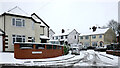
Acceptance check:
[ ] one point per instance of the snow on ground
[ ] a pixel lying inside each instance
(102, 59)
(6, 58)
(86, 58)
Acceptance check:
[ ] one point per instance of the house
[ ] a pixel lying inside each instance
(66, 37)
(100, 37)
(41, 29)
(18, 26)
(51, 33)
(1, 40)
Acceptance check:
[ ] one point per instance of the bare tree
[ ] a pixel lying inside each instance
(119, 32)
(114, 25)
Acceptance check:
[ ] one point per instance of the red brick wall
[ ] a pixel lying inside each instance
(27, 53)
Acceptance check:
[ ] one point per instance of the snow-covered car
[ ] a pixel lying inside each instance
(75, 50)
(84, 47)
(76, 45)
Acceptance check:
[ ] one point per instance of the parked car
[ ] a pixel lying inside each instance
(75, 50)
(80, 46)
(84, 47)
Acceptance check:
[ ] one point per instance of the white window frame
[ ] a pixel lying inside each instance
(86, 37)
(23, 38)
(100, 36)
(93, 36)
(21, 20)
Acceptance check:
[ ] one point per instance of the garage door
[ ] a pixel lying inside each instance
(1, 44)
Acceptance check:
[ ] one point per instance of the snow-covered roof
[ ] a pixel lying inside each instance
(17, 11)
(65, 33)
(42, 24)
(44, 37)
(98, 31)
(37, 20)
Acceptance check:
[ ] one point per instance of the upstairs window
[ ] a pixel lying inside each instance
(75, 36)
(81, 37)
(18, 22)
(61, 37)
(13, 21)
(100, 36)
(86, 37)
(94, 36)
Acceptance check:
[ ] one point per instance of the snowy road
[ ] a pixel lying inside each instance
(86, 58)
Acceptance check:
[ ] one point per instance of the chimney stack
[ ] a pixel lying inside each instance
(94, 28)
(63, 30)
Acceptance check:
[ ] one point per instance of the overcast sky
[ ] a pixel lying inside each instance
(68, 14)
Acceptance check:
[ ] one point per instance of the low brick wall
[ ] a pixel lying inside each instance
(28, 53)
(113, 52)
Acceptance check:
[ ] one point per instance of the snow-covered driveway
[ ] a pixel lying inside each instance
(86, 58)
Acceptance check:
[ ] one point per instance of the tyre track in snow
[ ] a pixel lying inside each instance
(72, 60)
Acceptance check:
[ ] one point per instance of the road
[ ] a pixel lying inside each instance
(86, 58)
(89, 58)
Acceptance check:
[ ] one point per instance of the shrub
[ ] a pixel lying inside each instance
(66, 50)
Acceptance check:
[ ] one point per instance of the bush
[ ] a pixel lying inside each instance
(66, 50)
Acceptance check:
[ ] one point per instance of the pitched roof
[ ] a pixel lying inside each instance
(98, 31)
(52, 31)
(39, 19)
(65, 33)
(18, 11)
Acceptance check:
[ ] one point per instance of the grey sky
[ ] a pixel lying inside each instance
(69, 14)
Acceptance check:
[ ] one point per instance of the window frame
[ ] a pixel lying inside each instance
(93, 36)
(86, 37)
(100, 36)
(75, 37)
(62, 37)
(81, 37)
(56, 37)
(18, 36)
(21, 21)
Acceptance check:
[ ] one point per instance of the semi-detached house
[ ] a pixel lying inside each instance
(17, 26)
(100, 37)
(67, 37)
